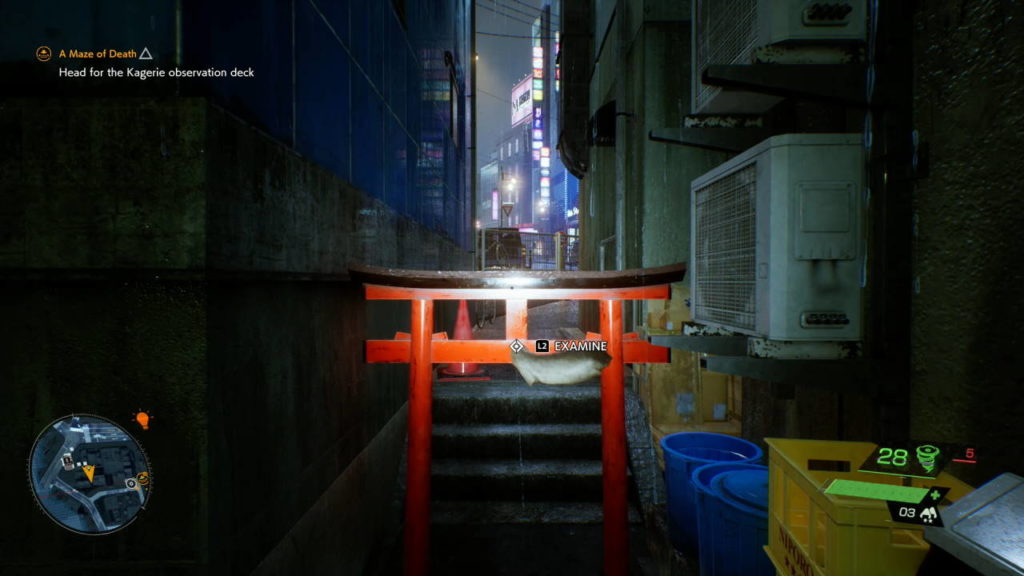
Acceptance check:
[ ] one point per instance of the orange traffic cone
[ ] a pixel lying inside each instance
(463, 331)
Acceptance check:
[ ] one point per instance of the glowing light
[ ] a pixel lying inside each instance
(538, 52)
(520, 282)
(545, 162)
(545, 152)
(143, 419)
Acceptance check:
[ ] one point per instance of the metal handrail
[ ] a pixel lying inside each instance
(509, 248)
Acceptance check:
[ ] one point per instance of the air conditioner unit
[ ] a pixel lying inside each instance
(744, 31)
(776, 240)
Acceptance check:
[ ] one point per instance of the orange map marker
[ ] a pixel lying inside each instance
(89, 471)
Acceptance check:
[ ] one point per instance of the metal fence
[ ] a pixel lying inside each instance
(508, 248)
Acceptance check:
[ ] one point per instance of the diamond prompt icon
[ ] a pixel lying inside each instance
(516, 346)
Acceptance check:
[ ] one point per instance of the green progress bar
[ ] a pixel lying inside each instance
(875, 491)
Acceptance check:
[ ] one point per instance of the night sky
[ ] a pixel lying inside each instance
(503, 62)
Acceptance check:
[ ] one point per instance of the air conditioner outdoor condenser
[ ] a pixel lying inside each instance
(738, 32)
(776, 240)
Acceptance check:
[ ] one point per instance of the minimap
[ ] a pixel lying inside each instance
(89, 475)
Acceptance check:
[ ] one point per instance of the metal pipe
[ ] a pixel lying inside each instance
(559, 258)
(417, 497)
(474, 180)
(613, 445)
(483, 248)
(621, 166)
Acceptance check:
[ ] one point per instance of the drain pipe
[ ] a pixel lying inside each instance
(622, 28)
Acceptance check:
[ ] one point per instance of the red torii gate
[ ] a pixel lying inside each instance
(422, 348)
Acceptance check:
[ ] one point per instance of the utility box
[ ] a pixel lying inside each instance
(777, 240)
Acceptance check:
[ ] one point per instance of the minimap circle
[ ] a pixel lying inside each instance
(89, 475)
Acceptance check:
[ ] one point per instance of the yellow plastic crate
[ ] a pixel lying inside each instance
(811, 533)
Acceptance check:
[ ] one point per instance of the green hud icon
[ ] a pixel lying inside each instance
(926, 455)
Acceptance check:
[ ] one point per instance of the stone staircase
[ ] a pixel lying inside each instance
(505, 452)
(516, 478)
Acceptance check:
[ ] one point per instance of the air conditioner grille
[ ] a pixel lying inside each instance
(725, 250)
(727, 34)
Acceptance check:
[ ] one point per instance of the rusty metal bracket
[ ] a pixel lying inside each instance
(719, 139)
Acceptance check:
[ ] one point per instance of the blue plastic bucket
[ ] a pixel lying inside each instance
(732, 508)
(685, 452)
(708, 511)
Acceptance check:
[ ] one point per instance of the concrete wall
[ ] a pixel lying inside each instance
(652, 92)
(968, 373)
(655, 175)
(107, 347)
(667, 169)
(164, 255)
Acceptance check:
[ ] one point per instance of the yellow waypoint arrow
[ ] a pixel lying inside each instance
(89, 471)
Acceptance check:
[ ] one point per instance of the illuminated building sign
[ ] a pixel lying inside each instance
(545, 152)
(521, 101)
(494, 204)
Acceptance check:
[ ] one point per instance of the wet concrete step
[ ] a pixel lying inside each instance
(524, 550)
(517, 481)
(515, 403)
(515, 441)
(484, 513)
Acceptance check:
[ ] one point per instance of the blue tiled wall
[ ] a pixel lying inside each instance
(360, 93)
